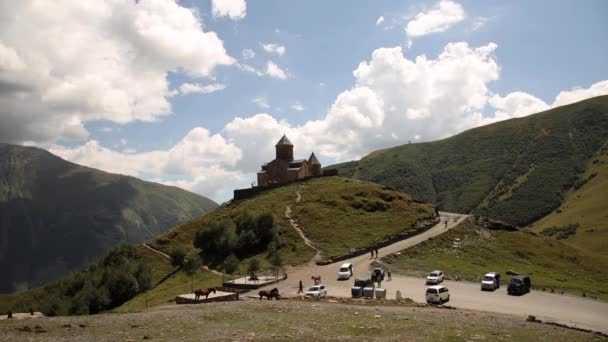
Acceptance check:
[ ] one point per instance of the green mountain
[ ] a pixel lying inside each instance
(56, 216)
(516, 171)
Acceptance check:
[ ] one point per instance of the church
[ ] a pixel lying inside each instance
(284, 168)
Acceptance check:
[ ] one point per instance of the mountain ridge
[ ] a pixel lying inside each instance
(59, 216)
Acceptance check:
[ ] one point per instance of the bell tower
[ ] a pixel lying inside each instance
(284, 149)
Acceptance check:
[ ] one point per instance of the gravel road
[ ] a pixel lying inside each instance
(566, 309)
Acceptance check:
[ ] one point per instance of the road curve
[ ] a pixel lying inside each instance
(566, 309)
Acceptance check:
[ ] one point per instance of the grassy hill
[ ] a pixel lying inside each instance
(551, 264)
(516, 170)
(56, 216)
(337, 214)
(582, 219)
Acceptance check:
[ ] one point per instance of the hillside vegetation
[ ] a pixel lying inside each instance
(516, 171)
(56, 216)
(551, 264)
(582, 219)
(337, 215)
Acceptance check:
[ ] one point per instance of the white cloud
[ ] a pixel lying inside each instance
(274, 48)
(478, 23)
(275, 71)
(50, 87)
(441, 17)
(233, 9)
(518, 104)
(380, 20)
(248, 53)
(261, 101)
(199, 161)
(297, 107)
(189, 88)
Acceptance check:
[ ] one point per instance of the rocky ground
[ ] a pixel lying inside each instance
(290, 320)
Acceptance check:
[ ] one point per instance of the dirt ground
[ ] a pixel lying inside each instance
(289, 320)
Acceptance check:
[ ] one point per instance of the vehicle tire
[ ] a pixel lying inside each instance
(447, 299)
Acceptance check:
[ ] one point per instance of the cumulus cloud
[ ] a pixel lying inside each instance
(199, 160)
(518, 104)
(441, 17)
(189, 88)
(274, 48)
(380, 20)
(275, 71)
(233, 9)
(49, 87)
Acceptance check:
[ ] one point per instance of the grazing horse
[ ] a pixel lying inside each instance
(203, 292)
(316, 279)
(274, 293)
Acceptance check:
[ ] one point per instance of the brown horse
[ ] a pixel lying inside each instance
(203, 292)
(316, 279)
(274, 293)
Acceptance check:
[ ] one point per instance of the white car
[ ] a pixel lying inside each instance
(434, 277)
(437, 294)
(345, 271)
(490, 281)
(316, 291)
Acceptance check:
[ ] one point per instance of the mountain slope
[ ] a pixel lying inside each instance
(56, 216)
(516, 170)
(584, 210)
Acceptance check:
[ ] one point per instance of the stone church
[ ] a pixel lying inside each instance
(284, 168)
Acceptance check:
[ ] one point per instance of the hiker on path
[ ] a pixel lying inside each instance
(390, 277)
(372, 251)
(446, 223)
(301, 288)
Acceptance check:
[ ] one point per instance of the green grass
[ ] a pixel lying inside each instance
(516, 171)
(550, 263)
(340, 214)
(173, 284)
(337, 214)
(586, 207)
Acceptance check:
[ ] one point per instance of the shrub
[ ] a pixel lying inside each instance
(177, 253)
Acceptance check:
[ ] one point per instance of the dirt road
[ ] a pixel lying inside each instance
(576, 311)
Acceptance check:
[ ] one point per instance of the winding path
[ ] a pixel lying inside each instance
(294, 224)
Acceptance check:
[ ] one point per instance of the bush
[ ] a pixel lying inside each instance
(177, 253)
(231, 264)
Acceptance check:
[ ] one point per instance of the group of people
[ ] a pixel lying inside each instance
(374, 250)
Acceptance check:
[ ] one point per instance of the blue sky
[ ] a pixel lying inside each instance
(501, 60)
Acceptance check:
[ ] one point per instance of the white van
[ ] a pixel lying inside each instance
(490, 281)
(345, 271)
(437, 294)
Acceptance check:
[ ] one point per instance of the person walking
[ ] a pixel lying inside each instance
(390, 277)
(372, 251)
(446, 223)
(301, 288)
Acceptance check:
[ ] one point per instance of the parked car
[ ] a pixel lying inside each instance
(519, 285)
(437, 294)
(316, 291)
(490, 281)
(345, 271)
(434, 277)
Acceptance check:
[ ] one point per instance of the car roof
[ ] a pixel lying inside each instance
(520, 277)
(436, 287)
(346, 264)
(492, 273)
(438, 271)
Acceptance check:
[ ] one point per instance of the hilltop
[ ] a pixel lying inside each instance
(516, 171)
(57, 216)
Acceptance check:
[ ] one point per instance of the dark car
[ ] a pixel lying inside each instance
(519, 285)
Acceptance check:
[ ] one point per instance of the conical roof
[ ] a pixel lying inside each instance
(313, 160)
(284, 141)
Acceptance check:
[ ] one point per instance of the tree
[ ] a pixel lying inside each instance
(231, 264)
(178, 254)
(191, 266)
(254, 266)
